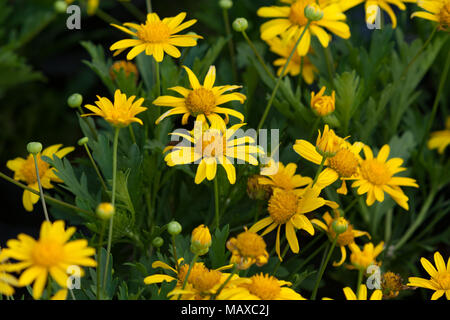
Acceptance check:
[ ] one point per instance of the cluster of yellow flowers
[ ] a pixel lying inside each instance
(291, 197)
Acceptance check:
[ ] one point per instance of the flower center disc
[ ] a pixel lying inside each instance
(200, 100)
(29, 170)
(47, 253)
(266, 287)
(282, 206)
(443, 280)
(250, 244)
(375, 172)
(154, 32)
(297, 13)
(344, 162)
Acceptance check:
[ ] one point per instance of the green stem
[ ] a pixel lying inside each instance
(309, 258)
(113, 200)
(96, 168)
(279, 261)
(258, 56)
(40, 188)
(280, 77)
(133, 137)
(319, 170)
(133, 10)
(106, 17)
(388, 226)
(418, 221)
(364, 211)
(230, 43)
(175, 256)
(322, 268)
(148, 4)
(326, 53)
(360, 278)
(442, 81)
(48, 198)
(233, 272)
(216, 201)
(158, 84)
(99, 257)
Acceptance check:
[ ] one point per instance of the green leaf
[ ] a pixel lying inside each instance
(217, 251)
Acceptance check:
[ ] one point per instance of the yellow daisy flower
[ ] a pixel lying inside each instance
(203, 101)
(246, 249)
(362, 294)
(440, 139)
(283, 48)
(25, 170)
(344, 239)
(279, 176)
(362, 259)
(291, 20)
(321, 104)
(262, 287)
(210, 147)
(439, 277)
(371, 15)
(51, 254)
(342, 164)
(376, 176)
(287, 208)
(7, 281)
(119, 113)
(201, 283)
(156, 36)
(435, 10)
(127, 67)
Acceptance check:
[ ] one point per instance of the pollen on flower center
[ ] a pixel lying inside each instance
(297, 13)
(443, 280)
(375, 172)
(200, 100)
(250, 244)
(344, 162)
(206, 280)
(29, 170)
(282, 206)
(264, 286)
(47, 253)
(154, 32)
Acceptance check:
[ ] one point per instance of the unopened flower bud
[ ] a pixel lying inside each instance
(83, 141)
(225, 4)
(60, 6)
(313, 12)
(34, 147)
(200, 240)
(340, 225)
(174, 228)
(75, 100)
(157, 242)
(240, 24)
(105, 210)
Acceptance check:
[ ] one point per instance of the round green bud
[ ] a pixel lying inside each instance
(240, 24)
(313, 12)
(83, 141)
(34, 147)
(105, 210)
(157, 242)
(60, 6)
(339, 225)
(75, 100)
(174, 228)
(225, 4)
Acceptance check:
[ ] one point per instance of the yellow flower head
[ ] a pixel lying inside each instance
(287, 208)
(25, 170)
(203, 101)
(264, 287)
(246, 249)
(344, 239)
(376, 176)
(362, 294)
(52, 254)
(283, 47)
(440, 139)
(283, 177)
(119, 113)
(156, 36)
(127, 67)
(291, 20)
(362, 259)
(200, 240)
(391, 285)
(328, 143)
(322, 104)
(435, 10)
(7, 281)
(439, 277)
(211, 146)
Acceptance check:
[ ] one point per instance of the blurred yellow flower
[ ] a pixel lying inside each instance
(362, 259)
(25, 170)
(322, 104)
(247, 248)
(156, 36)
(7, 281)
(439, 277)
(435, 10)
(52, 254)
(440, 139)
(119, 113)
(200, 240)
(362, 294)
(376, 176)
(127, 67)
(202, 102)
(291, 21)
